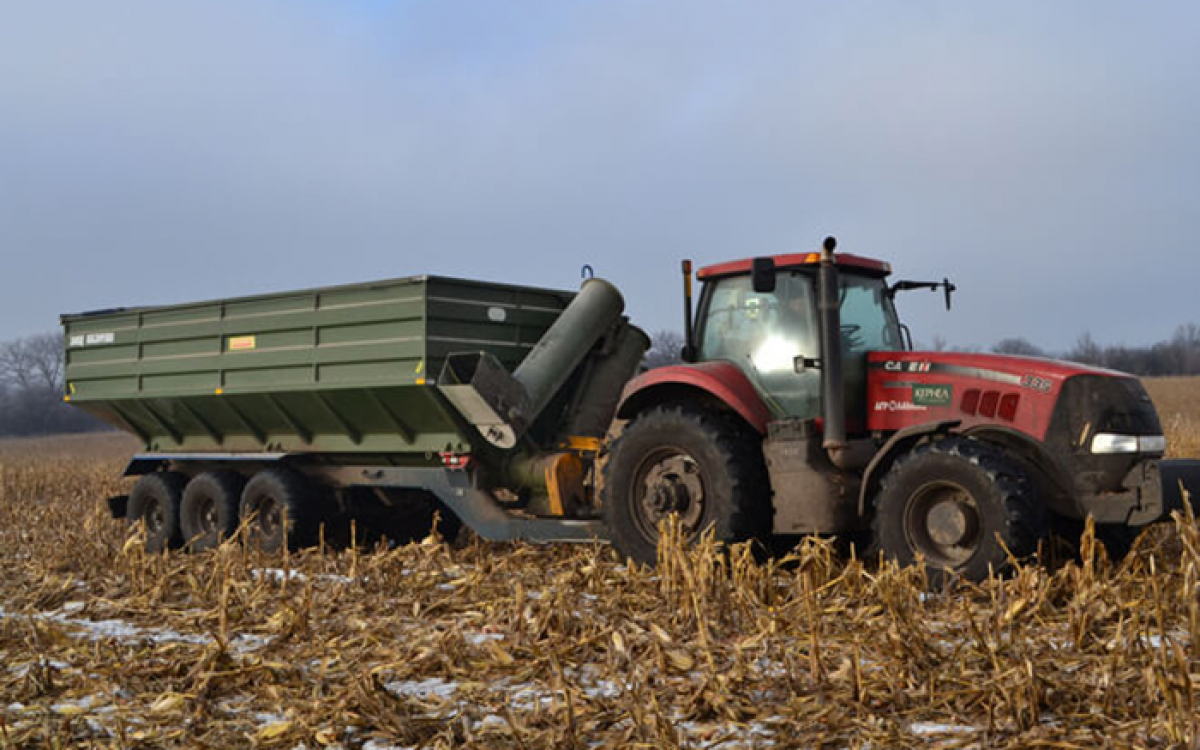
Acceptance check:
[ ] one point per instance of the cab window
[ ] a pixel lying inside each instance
(869, 321)
(763, 333)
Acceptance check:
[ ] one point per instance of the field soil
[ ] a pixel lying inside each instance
(516, 646)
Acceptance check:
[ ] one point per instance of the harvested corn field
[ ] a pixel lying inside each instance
(515, 646)
(1178, 403)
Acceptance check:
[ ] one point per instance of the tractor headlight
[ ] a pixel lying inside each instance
(1107, 442)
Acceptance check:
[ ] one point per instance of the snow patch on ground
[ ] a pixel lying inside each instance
(432, 687)
(1156, 640)
(279, 575)
(755, 734)
(121, 630)
(933, 727)
(381, 745)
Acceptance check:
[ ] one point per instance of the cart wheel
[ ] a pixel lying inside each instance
(284, 509)
(155, 501)
(209, 513)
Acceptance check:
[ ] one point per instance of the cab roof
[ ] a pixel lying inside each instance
(797, 260)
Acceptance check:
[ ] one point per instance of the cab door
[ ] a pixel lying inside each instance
(869, 324)
(766, 334)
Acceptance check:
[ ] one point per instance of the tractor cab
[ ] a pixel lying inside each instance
(767, 323)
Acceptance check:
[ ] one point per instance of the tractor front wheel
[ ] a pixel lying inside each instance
(960, 505)
(700, 466)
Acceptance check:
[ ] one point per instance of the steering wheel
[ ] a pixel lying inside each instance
(850, 338)
(766, 310)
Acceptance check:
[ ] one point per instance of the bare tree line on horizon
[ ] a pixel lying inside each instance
(31, 390)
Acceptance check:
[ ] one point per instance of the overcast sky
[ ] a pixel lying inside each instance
(1045, 156)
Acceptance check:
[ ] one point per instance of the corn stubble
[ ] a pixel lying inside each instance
(514, 646)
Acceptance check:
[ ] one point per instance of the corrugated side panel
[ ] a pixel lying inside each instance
(341, 369)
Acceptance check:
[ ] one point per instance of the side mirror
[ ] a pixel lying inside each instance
(762, 275)
(949, 290)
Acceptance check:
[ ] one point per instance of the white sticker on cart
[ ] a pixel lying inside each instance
(92, 339)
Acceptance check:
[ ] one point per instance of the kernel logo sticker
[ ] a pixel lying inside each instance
(933, 395)
(242, 343)
(92, 339)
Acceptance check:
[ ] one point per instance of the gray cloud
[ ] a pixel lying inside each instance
(1042, 155)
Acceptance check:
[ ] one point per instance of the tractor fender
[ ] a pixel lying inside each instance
(720, 384)
(886, 456)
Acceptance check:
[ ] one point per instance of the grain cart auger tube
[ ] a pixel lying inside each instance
(300, 412)
(802, 409)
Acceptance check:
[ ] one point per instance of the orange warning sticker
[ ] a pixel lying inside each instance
(242, 343)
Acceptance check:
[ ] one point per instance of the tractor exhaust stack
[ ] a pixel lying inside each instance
(832, 395)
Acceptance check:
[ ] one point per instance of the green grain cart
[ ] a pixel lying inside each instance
(393, 402)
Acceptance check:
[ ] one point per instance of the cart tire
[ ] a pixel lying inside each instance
(283, 508)
(155, 500)
(209, 513)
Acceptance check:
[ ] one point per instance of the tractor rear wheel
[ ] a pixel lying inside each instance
(701, 466)
(284, 509)
(960, 505)
(209, 513)
(155, 501)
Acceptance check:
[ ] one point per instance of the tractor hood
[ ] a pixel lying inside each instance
(1019, 393)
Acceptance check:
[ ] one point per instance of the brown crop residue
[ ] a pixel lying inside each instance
(515, 646)
(1178, 403)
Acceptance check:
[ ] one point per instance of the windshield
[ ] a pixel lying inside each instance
(869, 321)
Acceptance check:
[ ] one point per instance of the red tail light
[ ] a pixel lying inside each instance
(457, 460)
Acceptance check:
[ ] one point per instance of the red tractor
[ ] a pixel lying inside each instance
(802, 409)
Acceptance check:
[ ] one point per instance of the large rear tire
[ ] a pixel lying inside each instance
(702, 466)
(284, 508)
(962, 506)
(209, 513)
(155, 501)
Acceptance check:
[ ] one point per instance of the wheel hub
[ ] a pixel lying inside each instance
(270, 517)
(155, 518)
(670, 483)
(942, 522)
(670, 496)
(950, 523)
(208, 514)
